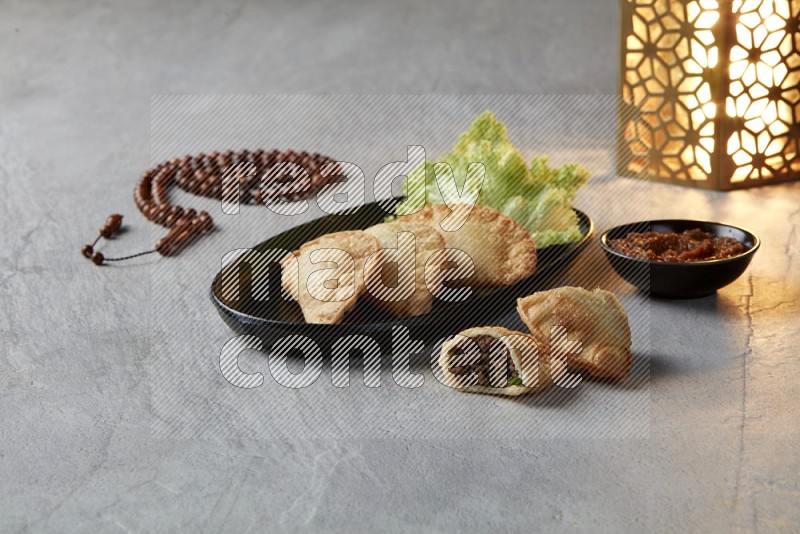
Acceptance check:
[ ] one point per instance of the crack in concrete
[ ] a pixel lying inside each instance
(774, 306)
(307, 502)
(785, 487)
(794, 238)
(748, 349)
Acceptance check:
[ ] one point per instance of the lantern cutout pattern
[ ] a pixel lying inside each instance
(710, 92)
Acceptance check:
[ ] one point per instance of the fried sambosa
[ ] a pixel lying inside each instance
(595, 318)
(331, 275)
(494, 360)
(502, 250)
(400, 287)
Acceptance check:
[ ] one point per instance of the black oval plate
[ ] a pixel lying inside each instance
(272, 316)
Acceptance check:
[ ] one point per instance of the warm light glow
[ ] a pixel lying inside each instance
(673, 75)
(758, 81)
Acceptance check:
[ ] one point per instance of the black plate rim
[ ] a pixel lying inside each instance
(410, 321)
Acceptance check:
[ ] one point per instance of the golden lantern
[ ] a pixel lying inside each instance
(710, 92)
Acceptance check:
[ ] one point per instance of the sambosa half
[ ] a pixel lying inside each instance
(494, 360)
(502, 250)
(595, 318)
(331, 274)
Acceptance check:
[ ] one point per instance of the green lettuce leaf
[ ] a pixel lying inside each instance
(537, 196)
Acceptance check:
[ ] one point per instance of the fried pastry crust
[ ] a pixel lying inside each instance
(502, 250)
(330, 283)
(426, 242)
(595, 318)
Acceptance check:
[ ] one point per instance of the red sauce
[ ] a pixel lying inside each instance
(688, 246)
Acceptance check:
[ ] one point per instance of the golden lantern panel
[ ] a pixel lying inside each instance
(710, 91)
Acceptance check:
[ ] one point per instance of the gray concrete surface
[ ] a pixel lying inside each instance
(78, 451)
